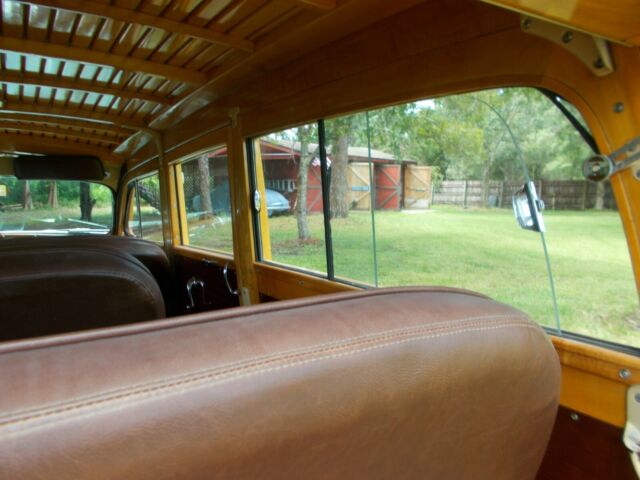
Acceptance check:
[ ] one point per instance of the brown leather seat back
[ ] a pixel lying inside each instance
(56, 290)
(386, 384)
(148, 253)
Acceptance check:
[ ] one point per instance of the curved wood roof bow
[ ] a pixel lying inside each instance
(93, 72)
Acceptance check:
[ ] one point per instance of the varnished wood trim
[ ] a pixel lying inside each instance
(243, 247)
(59, 132)
(65, 122)
(283, 283)
(75, 113)
(319, 4)
(596, 360)
(141, 18)
(49, 145)
(182, 236)
(591, 380)
(265, 235)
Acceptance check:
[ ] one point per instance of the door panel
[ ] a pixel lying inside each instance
(582, 447)
(214, 296)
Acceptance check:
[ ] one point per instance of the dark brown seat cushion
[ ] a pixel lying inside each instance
(46, 291)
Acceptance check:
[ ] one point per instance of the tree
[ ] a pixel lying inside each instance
(53, 194)
(340, 192)
(27, 200)
(302, 181)
(204, 185)
(86, 202)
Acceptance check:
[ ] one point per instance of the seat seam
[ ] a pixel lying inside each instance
(284, 355)
(209, 379)
(233, 314)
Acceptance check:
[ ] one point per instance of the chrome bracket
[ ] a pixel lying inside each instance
(592, 51)
(192, 282)
(225, 274)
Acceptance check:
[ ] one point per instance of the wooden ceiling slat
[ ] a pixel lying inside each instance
(235, 14)
(101, 58)
(141, 18)
(206, 11)
(266, 14)
(320, 4)
(66, 122)
(27, 127)
(68, 84)
(10, 141)
(75, 113)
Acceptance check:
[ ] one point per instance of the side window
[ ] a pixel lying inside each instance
(203, 186)
(291, 198)
(144, 219)
(421, 194)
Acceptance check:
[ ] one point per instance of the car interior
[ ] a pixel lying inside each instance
(207, 267)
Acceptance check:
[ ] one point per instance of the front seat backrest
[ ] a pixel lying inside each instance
(55, 290)
(407, 383)
(148, 253)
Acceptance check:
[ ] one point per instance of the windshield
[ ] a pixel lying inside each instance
(50, 207)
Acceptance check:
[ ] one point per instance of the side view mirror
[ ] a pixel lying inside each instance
(527, 208)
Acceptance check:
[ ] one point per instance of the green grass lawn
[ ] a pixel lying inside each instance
(485, 250)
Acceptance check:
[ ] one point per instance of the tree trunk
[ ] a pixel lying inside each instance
(302, 183)
(150, 195)
(339, 197)
(204, 185)
(27, 200)
(599, 196)
(53, 194)
(86, 202)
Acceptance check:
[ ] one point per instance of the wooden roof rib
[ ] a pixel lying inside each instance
(96, 72)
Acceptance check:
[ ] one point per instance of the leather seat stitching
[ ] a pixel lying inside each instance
(223, 377)
(282, 356)
(232, 314)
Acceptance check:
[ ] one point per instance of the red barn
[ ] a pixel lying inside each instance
(281, 159)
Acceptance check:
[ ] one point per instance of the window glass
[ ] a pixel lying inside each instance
(351, 197)
(421, 194)
(207, 201)
(145, 219)
(54, 207)
(292, 186)
(455, 226)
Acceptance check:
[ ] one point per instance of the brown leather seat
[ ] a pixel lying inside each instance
(151, 255)
(386, 384)
(45, 291)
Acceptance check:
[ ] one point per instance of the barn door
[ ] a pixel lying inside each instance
(388, 188)
(360, 185)
(417, 187)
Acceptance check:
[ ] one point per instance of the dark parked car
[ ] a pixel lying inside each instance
(276, 202)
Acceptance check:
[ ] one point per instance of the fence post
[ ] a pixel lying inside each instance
(431, 197)
(500, 193)
(584, 195)
(464, 201)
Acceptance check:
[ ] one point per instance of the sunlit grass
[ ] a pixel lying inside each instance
(485, 251)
